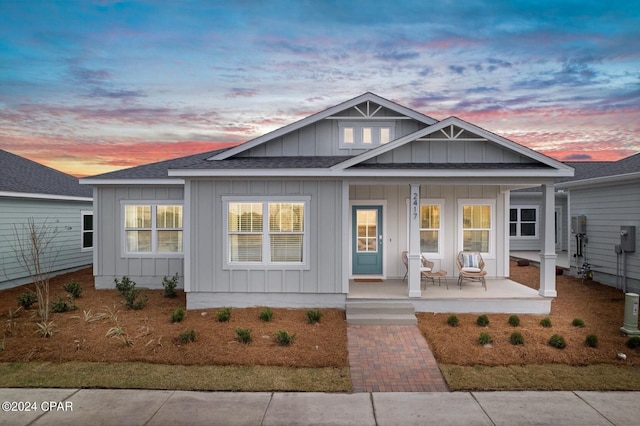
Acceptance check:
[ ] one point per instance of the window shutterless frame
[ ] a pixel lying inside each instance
(152, 236)
(272, 243)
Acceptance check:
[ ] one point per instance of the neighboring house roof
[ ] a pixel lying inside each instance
(25, 178)
(624, 169)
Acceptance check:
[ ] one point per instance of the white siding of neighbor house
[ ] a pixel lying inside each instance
(535, 199)
(145, 271)
(208, 237)
(396, 232)
(607, 208)
(62, 216)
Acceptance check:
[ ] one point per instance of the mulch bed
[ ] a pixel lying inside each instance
(156, 339)
(600, 307)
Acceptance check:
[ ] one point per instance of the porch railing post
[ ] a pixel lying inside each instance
(414, 255)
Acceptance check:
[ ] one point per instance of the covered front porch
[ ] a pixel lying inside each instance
(501, 296)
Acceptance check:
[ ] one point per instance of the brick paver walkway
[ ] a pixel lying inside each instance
(392, 358)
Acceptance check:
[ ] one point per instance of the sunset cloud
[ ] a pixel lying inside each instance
(90, 87)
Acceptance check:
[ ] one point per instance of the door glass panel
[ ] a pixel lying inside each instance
(367, 223)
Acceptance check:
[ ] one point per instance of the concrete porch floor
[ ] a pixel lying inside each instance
(501, 296)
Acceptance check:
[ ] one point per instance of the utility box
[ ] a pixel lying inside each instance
(628, 238)
(579, 224)
(630, 327)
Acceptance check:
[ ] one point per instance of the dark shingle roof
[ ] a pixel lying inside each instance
(18, 174)
(160, 169)
(624, 166)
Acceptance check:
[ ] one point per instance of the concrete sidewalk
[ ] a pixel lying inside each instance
(142, 407)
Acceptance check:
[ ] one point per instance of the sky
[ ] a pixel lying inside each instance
(88, 87)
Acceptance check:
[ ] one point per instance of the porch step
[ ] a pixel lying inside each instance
(378, 313)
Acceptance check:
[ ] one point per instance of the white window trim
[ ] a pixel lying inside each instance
(358, 130)
(519, 222)
(492, 230)
(154, 229)
(266, 263)
(84, 213)
(431, 202)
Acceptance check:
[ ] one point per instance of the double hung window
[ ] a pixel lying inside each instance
(152, 228)
(477, 219)
(523, 222)
(266, 232)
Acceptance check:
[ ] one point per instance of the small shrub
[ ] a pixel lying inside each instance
(177, 315)
(516, 339)
(591, 341)
(313, 316)
(633, 342)
(244, 335)
(266, 314)
(284, 338)
(73, 288)
(169, 285)
(545, 322)
(482, 321)
(557, 341)
(124, 285)
(134, 301)
(187, 336)
(577, 322)
(131, 294)
(453, 321)
(27, 299)
(61, 305)
(514, 320)
(484, 339)
(223, 314)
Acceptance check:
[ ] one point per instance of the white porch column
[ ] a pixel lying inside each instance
(548, 249)
(414, 242)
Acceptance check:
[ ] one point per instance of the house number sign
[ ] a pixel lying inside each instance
(414, 202)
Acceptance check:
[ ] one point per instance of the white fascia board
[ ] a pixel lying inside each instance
(321, 116)
(471, 173)
(90, 181)
(599, 180)
(44, 196)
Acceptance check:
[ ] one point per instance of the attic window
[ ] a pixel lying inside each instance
(365, 134)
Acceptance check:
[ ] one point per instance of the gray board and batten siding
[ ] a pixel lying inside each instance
(319, 281)
(110, 260)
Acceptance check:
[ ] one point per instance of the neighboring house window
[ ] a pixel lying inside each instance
(430, 227)
(523, 222)
(266, 232)
(86, 230)
(153, 228)
(477, 225)
(365, 134)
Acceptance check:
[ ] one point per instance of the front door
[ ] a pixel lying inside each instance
(367, 240)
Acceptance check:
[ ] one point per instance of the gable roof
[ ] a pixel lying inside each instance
(324, 114)
(22, 177)
(455, 121)
(235, 161)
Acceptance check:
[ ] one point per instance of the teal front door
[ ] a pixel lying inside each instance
(367, 240)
